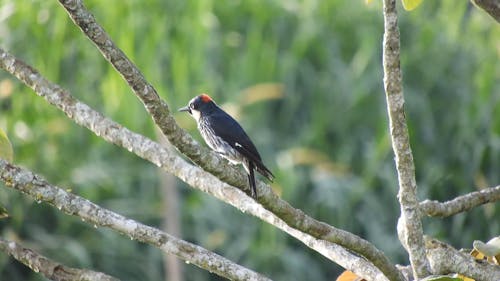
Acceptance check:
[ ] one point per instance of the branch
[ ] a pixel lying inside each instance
(50, 269)
(208, 160)
(409, 226)
(444, 259)
(492, 7)
(460, 204)
(145, 148)
(155, 106)
(71, 204)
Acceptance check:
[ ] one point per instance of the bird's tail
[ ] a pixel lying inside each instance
(263, 170)
(251, 179)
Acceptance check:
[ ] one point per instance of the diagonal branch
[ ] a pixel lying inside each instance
(492, 7)
(145, 148)
(50, 269)
(71, 204)
(445, 259)
(460, 204)
(209, 161)
(409, 225)
(156, 107)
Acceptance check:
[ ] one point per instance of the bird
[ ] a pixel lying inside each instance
(225, 136)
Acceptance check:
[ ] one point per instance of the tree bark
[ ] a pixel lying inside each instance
(40, 190)
(409, 225)
(50, 269)
(492, 7)
(460, 204)
(145, 148)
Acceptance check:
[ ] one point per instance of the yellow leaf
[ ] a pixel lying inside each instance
(6, 151)
(349, 276)
(477, 255)
(464, 278)
(262, 92)
(410, 5)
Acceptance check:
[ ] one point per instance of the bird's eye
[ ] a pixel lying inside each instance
(192, 106)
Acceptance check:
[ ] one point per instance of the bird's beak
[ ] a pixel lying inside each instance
(185, 108)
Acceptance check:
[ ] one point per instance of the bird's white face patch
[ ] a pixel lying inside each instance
(237, 144)
(196, 114)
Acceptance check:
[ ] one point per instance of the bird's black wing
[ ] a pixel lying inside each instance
(230, 131)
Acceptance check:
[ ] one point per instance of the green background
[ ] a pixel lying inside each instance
(305, 80)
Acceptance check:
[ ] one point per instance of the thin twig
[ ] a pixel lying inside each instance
(460, 204)
(39, 189)
(208, 160)
(49, 268)
(409, 226)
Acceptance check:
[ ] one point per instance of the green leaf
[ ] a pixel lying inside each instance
(410, 5)
(6, 151)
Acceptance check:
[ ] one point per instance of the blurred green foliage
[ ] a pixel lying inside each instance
(304, 78)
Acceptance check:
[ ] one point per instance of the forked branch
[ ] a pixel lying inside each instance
(39, 189)
(409, 225)
(209, 161)
(149, 150)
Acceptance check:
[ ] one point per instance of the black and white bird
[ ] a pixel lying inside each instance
(225, 136)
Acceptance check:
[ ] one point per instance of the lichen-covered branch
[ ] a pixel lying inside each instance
(145, 148)
(492, 7)
(445, 259)
(40, 190)
(460, 204)
(50, 269)
(151, 151)
(409, 225)
(209, 161)
(156, 107)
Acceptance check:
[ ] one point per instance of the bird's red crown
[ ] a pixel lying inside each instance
(205, 98)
